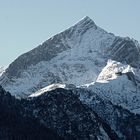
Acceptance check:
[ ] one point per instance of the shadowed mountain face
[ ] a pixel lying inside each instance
(126, 50)
(15, 124)
(50, 48)
(65, 114)
(75, 56)
(56, 115)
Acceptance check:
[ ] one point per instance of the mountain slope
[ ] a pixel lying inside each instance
(63, 58)
(69, 113)
(61, 110)
(122, 121)
(57, 114)
(119, 83)
(15, 124)
(75, 56)
(84, 76)
(118, 123)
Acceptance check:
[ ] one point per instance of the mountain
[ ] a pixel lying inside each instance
(62, 110)
(83, 83)
(65, 114)
(15, 124)
(75, 56)
(58, 114)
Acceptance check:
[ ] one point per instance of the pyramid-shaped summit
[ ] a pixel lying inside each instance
(86, 22)
(85, 19)
(74, 56)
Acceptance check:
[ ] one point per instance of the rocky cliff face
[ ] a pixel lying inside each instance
(126, 50)
(50, 48)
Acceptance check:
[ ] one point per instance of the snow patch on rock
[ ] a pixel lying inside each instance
(46, 89)
(119, 84)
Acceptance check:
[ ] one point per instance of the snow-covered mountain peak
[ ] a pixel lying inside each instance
(75, 56)
(86, 18)
(86, 22)
(113, 69)
(120, 84)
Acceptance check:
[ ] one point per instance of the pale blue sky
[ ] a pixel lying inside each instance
(24, 24)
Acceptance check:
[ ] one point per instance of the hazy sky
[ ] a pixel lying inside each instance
(24, 24)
